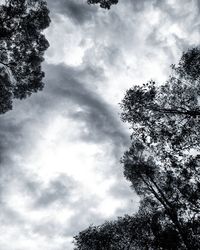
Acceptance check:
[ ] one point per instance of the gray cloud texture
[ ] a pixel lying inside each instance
(76, 10)
(132, 43)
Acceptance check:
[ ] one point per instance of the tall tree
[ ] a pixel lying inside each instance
(22, 47)
(163, 165)
(106, 4)
(163, 161)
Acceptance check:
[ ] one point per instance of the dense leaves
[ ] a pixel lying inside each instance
(166, 118)
(175, 186)
(189, 65)
(162, 163)
(106, 4)
(128, 232)
(22, 46)
(147, 229)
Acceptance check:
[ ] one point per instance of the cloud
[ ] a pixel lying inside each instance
(60, 148)
(50, 206)
(79, 11)
(87, 107)
(57, 191)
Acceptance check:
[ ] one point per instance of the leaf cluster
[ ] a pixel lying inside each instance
(22, 46)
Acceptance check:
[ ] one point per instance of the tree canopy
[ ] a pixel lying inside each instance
(163, 161)
(118, 234)
(166, 117)
(22, 47)
(147, 229)
(106, 4)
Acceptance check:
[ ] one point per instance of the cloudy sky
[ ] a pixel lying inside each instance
(60, 148)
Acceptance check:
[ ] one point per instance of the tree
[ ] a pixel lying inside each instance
(163, 162)
(163, 165)
(144, 230)
(167, 117)
(125, 233)
(22, 47)
(174, 186)
(106, 4)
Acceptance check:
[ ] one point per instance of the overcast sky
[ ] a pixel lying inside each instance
(60, 148)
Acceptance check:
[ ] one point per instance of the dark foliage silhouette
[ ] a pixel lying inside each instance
(189, 65)
(162, 164)
(22, 46)
(144, 230)
(128, 232)
(174, 185)
(169, 113)
(106, 4)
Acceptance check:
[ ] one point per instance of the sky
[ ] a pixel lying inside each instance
(60, 149)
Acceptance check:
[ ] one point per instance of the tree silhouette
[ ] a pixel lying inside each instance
(125, 233)
(148, 229)
(173, 185)
(189, 65)
(106, 4)
(162, 164)
(22, 46)
(167, 116)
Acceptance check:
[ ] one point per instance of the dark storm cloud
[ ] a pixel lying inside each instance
(79, 11)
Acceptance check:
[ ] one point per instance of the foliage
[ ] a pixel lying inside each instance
(189, 65)
(162, 163)
(106, 4)
(175, 186)
(166, 118)
(144, 230)
(22, 46)
(128, 232)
